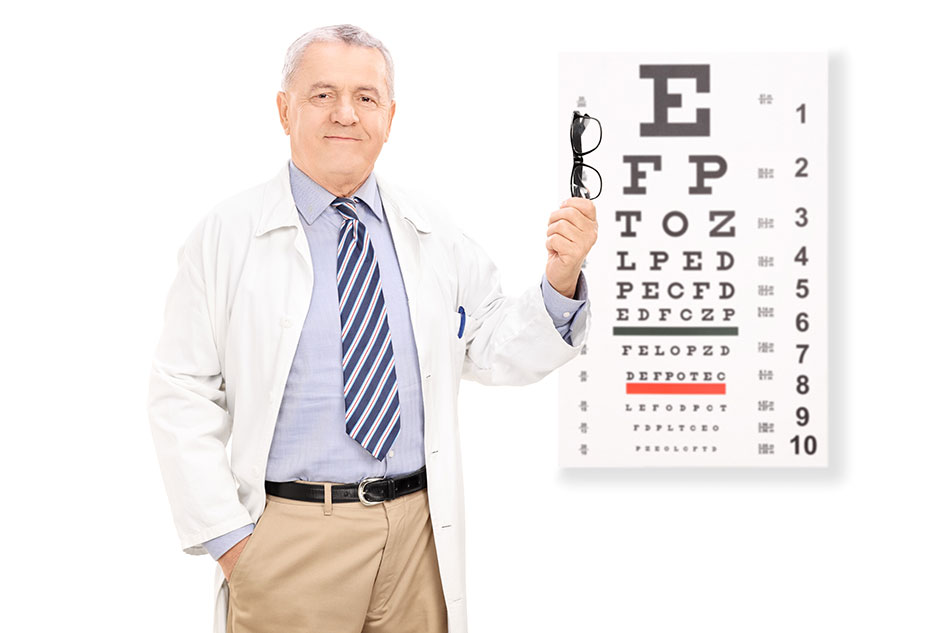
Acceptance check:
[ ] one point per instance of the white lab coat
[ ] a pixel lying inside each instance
(233, 317)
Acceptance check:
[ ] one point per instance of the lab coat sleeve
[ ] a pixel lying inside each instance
(510, 340)
(187, 406)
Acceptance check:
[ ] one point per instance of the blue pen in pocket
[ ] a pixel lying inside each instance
(462, 324)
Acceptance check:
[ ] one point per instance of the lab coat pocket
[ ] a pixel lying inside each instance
(460, 318)
(458, 335)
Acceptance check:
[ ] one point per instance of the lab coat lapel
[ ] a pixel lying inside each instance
(280, 210)
(407, 245)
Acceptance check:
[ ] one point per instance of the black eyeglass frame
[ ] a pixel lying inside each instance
(578, 161)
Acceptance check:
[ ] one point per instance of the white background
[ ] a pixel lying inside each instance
(122, 124)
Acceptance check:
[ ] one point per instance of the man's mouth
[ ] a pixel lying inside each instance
(342, 138)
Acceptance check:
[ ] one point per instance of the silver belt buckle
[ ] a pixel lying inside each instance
(359, 490)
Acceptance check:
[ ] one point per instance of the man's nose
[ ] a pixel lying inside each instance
(344, 112)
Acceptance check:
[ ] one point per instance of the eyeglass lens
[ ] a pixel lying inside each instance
(585, 182)
(585, 134)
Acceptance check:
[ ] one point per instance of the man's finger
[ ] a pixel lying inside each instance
(583, 205)
(572, 215)
(566, 229)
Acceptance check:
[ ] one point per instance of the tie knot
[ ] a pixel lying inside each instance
(346, 206)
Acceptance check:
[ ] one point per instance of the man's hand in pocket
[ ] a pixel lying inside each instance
(229, 559)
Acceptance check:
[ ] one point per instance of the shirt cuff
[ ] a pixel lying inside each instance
(558, 305)
(221, 544)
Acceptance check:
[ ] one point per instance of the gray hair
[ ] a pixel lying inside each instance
(346, 33)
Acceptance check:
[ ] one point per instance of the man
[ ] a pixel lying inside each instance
(323, 320)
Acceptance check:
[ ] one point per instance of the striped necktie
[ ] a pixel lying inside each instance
(369, 369)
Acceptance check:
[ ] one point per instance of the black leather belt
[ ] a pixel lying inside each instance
(369, 491)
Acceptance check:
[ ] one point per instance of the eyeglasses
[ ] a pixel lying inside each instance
(585, 138)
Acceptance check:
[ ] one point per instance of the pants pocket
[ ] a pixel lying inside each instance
(243, 561)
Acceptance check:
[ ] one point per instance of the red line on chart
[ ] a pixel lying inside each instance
(676, 387)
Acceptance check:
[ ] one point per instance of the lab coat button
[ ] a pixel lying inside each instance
(285, 322)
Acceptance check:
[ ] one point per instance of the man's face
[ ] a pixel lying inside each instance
(337, 113)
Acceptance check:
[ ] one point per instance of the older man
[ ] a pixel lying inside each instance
(323, 320)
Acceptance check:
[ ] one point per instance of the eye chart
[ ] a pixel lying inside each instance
(708, 282)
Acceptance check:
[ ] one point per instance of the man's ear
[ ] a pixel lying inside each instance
(282, 106)
(392, 113)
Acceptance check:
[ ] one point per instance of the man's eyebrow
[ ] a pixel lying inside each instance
(323, 84)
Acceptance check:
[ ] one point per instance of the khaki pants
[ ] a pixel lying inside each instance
(339, 568)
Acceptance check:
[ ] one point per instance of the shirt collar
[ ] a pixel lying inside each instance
(278, 208)
(312, 199)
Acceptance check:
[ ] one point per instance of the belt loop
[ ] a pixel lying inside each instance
(327, 499)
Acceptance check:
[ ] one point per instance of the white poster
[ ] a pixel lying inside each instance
(708, 281)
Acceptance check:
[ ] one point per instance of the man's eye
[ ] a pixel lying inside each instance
(368, 100)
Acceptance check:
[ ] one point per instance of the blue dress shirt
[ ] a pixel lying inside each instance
(310, 440)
